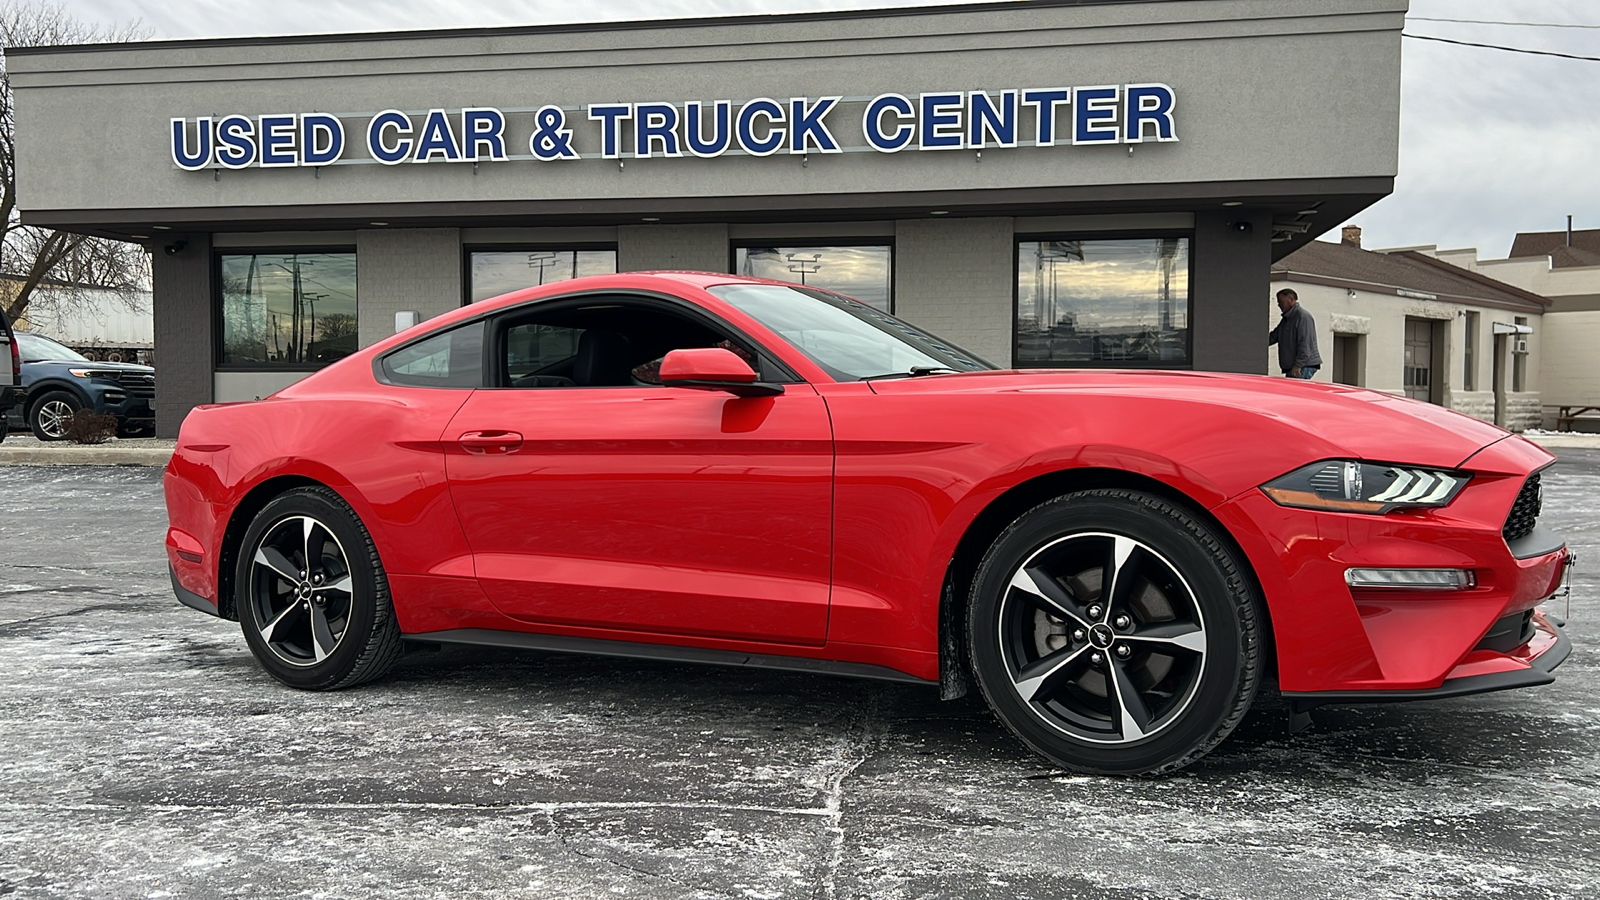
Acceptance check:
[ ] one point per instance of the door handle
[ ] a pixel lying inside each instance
(492, 441)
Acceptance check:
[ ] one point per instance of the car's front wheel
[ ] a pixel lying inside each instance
(1114, 633)
(48, 416)
(311, 594)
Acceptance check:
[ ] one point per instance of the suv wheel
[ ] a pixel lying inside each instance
(48, 416)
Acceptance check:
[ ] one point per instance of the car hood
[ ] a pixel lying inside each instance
(104, 366)
(1361, 423)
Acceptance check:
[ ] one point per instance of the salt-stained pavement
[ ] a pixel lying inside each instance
(143, 754)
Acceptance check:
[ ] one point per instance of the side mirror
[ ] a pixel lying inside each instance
(714, 369)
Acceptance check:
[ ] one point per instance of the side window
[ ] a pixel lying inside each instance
(451, 359)
(540, 355)
(604, 341)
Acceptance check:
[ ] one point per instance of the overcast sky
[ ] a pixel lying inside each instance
(1491, 143)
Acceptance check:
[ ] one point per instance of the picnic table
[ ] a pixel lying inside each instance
(1565, 414)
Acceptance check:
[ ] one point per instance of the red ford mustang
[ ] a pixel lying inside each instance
(703, 467)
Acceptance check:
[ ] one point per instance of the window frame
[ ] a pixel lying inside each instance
(734, 246)
(1020, 238)
(218, 329)
(519, 247)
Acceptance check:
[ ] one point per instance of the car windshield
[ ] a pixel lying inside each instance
(35, 347)
(850, 340)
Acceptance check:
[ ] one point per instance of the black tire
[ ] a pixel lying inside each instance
(134, 431)
(1178, 636)
(46, 414)
(321, 627)
(5, 427)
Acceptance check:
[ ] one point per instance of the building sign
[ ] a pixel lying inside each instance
(890, 123)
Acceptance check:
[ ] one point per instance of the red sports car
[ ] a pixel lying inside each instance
(703, 467)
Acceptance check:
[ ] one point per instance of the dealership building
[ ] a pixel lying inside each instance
(1054, 183)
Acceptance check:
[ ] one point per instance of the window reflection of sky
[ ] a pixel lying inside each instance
(265, 319)
(496, 272)
(859, 272)
(1081, 301)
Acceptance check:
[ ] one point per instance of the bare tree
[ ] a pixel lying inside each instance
(42, 256)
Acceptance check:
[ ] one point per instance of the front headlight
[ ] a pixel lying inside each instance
(1349, 486)
(100, 374)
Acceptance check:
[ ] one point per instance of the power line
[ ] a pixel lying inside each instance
(1423, 37)
(1496, 22)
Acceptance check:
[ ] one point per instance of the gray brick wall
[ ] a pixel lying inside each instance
(700, 248)
(954, 277)
(182, 308)
(406, 268)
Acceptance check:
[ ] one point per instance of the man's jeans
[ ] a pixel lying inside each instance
(1305, 372)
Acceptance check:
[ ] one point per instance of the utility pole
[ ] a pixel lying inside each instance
(804, 266)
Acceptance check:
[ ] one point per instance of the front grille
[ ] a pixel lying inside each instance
(1525, 512)
(137, 384)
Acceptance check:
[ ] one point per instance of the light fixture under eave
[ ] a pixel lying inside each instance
(162, 227)
(379, 224)
(140, 237)
(1306, 212)
(650, 219)
(938, 212)
(1233, 203)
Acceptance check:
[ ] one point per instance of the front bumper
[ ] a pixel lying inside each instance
(1530, 665)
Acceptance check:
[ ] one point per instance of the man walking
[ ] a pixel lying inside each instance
(1296, 337)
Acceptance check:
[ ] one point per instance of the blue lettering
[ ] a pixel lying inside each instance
(1150, 104)
(236, 147)
(483, 129)
(985, 120)
(551, 141)
(1094, 115)
(872, 123)
(769, 109)
(180, 144)
(321, 139)
(1044, 103)
(807, 128)
(941, 122)
(655, 122)
(437, 137)
(610, 116)
(277, 141)
(389, 154)
(694, 130)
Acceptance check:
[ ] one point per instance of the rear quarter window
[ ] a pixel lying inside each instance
(449, 359)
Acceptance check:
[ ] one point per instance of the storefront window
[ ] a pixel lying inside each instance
(1122, 301)
(496, 272)
(864, 272)
(287, 309)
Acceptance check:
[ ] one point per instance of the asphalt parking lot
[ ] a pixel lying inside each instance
(143, 754)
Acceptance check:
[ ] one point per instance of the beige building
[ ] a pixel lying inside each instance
(1563, 266)
(1405, 322)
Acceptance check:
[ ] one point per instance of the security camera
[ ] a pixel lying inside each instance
(174, 248)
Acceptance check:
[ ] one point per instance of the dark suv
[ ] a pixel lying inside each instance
(58, 381)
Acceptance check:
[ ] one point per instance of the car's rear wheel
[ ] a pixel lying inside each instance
(311, 593)
(1114, 633)
(48, 416)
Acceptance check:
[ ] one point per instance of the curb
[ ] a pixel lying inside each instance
(85, 456)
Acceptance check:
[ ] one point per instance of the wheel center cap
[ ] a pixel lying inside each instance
(305, 589)
(1102, 637)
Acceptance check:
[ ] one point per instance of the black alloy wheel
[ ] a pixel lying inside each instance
(311, 594)
(1114, 634)
(48, 416)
